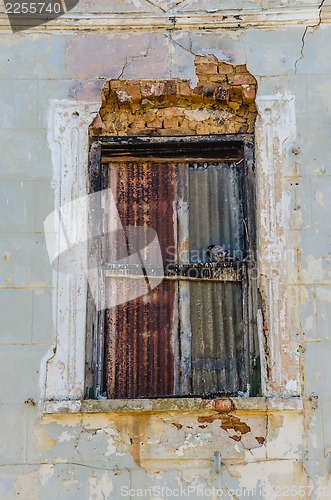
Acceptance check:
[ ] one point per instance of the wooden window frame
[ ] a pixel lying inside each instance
(183, 149)
(62, 370)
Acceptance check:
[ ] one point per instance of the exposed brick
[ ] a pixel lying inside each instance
(147, 89)
(209, 91)
(235, 93)
(192, 124)
(234, 106)
(218, 79)
(260, 439)
(218, 129)
(110, 128)
(251, 116)
(236, 437)
(185, 124)
(116, 84)
(120, 124)
(241, 68)
(203, 129)
(171, 107)
(160, 89)
(137, 131)
(223, 405)
(146, 103)
(238, 119)
(124, 106)
(234, 128)
(183, 102)
(150, 115)
(206, 69)
(198, 114)
(179, 131)
(97, 125)
(242, 111)
(107, 117)
(105, 92)
(133, 89)
(103, 112)
(248, 94)
(184, 89)
(129, 117)
(170, 123)
(155, 124)
(170, 112)
(199, 90)
(122, 96)
(222, 94)
(134, 107)
(170, 87)
(139, 124)
(205, 59)
(241, 79)
(225, 68)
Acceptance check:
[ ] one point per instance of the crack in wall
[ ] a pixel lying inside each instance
(303, 39)
(130, 60)
(171, 49)
(189, 50)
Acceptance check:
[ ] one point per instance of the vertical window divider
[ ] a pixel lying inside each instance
(184, 380)
(250, 272)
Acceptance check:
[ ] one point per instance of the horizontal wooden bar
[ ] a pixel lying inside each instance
(227, 271)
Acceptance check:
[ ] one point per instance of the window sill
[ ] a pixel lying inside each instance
(224, 405)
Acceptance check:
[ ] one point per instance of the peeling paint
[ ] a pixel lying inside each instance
(319, 197)
(94, 451)
(100, 486)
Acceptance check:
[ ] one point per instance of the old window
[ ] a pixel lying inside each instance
(183, 325)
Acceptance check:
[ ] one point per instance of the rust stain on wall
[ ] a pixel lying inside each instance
(260, 439)
(228, 422)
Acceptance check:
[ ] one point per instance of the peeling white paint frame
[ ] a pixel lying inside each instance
(62, 374)
(68, 140)
(275, 132)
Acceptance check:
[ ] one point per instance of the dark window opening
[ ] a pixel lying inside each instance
(194, 334)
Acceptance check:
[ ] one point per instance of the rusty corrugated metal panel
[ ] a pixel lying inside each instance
(139, 333)
(142, 335)
(217, 338)
(216, 211)
(216, 217)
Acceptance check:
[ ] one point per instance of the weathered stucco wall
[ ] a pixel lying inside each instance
(265, 446)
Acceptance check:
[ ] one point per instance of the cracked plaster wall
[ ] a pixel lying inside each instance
(93, 456)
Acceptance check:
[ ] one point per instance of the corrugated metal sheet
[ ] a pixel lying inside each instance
(216, 218)
(217, 338)
(216, 211)
(139, 333)
(180, 338)
(139, 345)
